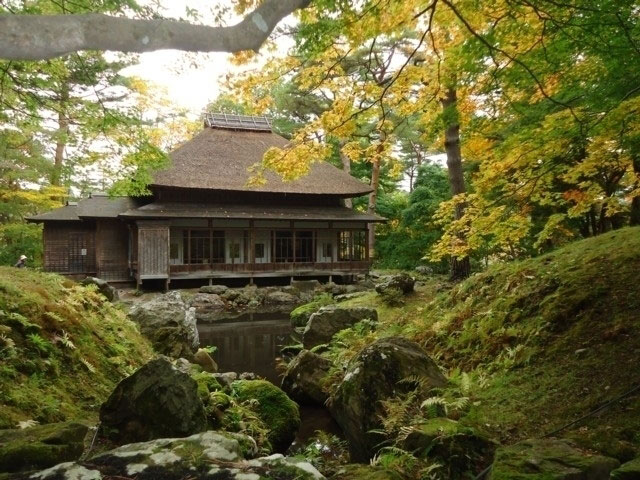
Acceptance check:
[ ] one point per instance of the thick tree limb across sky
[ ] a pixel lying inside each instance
(37, 37)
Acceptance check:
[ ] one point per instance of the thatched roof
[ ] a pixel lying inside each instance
(98, 205)
(219, 159)
(259, 212)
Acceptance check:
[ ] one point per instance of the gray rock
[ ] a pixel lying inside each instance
(208, 306)
(306, 285)
(214, 289)
(205, 455)
(156, 401)
(280, 298)
(104, 288)
(372, 376)
(183, 365)
(349, 296)
(424, 270)
(169, 323)
(231, 294)
(329, 320)
(402, 281)
(226, 379)
(549, 458)
(304, 376)
(41, 446)
(203, 359)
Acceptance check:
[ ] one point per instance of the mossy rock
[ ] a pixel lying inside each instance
(300, 316)
(157, 401)
(460, 450)
(549, 459)
(628, 471)
(207, 384)
(41, 447)
(372, 376)
(366, 472)
(278, 412)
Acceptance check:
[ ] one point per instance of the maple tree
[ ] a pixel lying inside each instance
(540, 107)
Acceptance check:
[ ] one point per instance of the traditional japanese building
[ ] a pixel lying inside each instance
(203, 221)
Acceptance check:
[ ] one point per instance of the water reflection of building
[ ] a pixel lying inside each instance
(247, 346)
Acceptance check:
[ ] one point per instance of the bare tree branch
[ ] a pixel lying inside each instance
(37, 37)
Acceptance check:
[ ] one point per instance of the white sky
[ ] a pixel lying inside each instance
(192, 80)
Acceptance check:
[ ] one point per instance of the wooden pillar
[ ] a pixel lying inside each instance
(294, 247)
(252, 244)
(366, 250)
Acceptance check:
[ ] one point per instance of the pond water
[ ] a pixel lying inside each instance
(251, 343)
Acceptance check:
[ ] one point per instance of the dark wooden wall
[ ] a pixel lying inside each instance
(64, 245)
(112, 249)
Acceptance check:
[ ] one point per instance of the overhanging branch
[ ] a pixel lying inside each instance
(37, 37)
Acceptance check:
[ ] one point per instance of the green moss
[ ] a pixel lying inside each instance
(207, 384)
(62, 348)
(278, 412)
(41, 446)
(548, 460)
(628, 471)
(300, 316)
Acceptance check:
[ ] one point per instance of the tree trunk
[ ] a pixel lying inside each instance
(373, 200)
(61, 136)
(460, 267)
(346, 166)
(635, 202)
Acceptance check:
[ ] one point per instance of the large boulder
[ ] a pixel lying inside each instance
(401, 281)
(41, 446)
(208, 306)
(273, 407)
(103, 286)
(304, 377)
(549, 459)
(169, 323)
(459, 450)
(374, 375)
(627, 471)
(156, 401)
(329, 320)
(204, 456)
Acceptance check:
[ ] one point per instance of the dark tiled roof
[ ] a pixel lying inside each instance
(96, 206)
(68, 213)
(104, 206)
(220, 159)
(266, 212)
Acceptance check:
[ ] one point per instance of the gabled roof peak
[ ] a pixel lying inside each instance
(237, 122)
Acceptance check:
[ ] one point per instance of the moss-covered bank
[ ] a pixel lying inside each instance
(63, 348)
(540, 342)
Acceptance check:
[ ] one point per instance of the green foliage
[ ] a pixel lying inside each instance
(392, 297)
(21, 239)
(410, 234)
